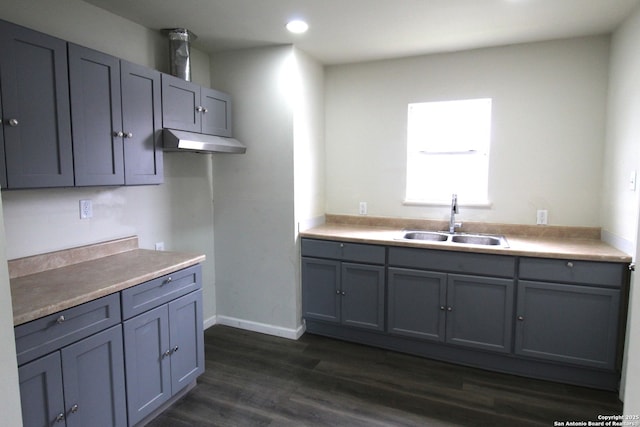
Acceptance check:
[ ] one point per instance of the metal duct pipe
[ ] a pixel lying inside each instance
(179, 52)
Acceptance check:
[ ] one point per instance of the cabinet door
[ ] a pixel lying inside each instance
(567, 323)
(216, 112)
(417, 304)
(96, 112)
(94, 386)
(187, 340)
(41, 392)
(180, 101)
(362, 292)
(146, 340)
(480, 312)
(35, 103)
(142, 124)
(321, 289)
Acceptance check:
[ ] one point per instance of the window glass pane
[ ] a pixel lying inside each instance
(448, 150)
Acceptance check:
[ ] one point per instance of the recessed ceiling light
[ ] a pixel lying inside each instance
(297, 26)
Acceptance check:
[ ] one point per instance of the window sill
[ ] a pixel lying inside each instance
(480, 204)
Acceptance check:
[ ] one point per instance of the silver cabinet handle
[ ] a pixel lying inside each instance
(166, 353)
(74, 409)
(337, 292)
(199, 108)
(442, 307)
(60, 319)
(174, 349)
(128, 135)
(520, 318)
(343, 293)
(204, 110)
(570, 264)
(167, 280)
(60, 418)
(449, 308)
(13, 122)
(118, 134)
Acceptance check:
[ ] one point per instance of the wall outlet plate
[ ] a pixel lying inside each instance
(160, 246)
(86, 209)
(363, 208)
(542, 217)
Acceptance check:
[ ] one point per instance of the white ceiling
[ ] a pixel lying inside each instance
(343, 31)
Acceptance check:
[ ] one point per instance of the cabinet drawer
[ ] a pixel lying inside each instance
(52, 332)
(143, 297)
(343, 251)
(455, 262)
(606, 274)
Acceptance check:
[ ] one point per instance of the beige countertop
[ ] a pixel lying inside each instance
(48, 283)
(544, 242)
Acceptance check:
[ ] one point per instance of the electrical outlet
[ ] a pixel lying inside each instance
(363, 208)
(542, 217)
(160, 246)
(86, 209)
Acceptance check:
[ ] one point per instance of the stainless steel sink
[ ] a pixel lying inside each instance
(473, 239)
(432, 236)
(456, 238)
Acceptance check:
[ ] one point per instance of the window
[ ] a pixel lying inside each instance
(448, 151)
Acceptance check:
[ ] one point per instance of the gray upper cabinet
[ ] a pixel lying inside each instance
(115, 110)
(35, 106)
(141, 124)
(190, 107)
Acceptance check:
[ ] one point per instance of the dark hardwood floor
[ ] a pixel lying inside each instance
(253, 379)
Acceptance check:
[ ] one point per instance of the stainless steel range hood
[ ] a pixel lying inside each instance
(177, 140)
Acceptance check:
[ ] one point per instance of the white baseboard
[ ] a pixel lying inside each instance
(249, 325)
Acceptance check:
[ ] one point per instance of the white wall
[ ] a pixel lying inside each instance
(619, 204)
(255, 214)
(549, 104)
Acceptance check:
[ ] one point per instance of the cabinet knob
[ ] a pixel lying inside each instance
(443, 308)
(569, 264)
(204, 110)
(118, 134)
(342, 245)
(174, 349)
(166, 353)
(128, 135)
(74, 409)
(449, 308)
(521, 318)
(342, 293)
(168, 280)
(13, 122)
(199, 109)
(338, 292)
(60, 417)
(60, 319)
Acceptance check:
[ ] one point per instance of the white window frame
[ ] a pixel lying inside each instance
(448, 145)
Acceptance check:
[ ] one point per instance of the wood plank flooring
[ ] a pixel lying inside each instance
(253, 379)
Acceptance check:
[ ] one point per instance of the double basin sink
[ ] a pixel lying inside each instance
(456, 238)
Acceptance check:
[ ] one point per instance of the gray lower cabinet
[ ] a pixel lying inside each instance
(116, 116)
(576, 321)
(81, 384)
(164, 345)
(465, 310)
(190, 107)
(36, 125)
(341, 291)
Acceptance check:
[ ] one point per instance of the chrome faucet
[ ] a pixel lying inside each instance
(454, 210)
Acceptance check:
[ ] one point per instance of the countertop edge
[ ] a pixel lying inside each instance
(538, 247)
(24, 313)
